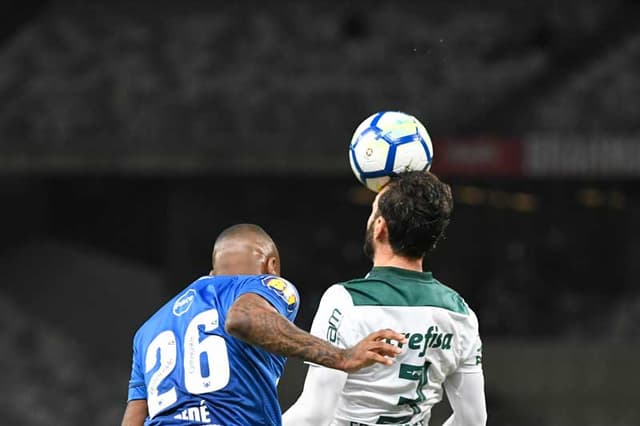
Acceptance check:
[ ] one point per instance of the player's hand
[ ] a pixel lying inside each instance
(372, 349)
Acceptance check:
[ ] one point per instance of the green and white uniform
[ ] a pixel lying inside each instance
(442, 339)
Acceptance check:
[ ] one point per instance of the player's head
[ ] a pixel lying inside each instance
(245, 249)
(410, 214)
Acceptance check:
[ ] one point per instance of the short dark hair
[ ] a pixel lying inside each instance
(417, 207)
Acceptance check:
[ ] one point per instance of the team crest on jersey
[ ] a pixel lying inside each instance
(284, 289)
(184, 302)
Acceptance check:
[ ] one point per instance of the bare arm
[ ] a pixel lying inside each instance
(252, 319)
(465, 392)
(135, 413)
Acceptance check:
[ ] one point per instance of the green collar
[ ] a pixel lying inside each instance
(386, 271)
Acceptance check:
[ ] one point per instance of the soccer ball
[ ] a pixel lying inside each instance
(388, 143)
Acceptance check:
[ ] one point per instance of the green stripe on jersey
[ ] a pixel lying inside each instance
(388, 286)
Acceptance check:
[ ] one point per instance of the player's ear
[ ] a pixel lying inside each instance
(273, 265)
(380, 228)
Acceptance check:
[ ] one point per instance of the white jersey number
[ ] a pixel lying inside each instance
(214, 347)
(197, 379)
(164, 347)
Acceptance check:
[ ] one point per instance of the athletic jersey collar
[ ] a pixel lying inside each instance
(392, 271)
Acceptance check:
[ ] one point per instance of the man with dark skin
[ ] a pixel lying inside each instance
(254, 324)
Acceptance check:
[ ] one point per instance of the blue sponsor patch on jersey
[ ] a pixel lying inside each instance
(284, 289)
(184, 302)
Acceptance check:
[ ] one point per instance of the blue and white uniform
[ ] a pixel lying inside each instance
(191, 372)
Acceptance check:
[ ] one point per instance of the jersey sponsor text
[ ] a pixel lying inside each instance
(431, 339)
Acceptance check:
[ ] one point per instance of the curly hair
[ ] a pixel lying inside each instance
(417, 207)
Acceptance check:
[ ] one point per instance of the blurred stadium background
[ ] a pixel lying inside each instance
(130, 135)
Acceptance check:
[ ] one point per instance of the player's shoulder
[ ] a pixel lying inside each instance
(337, 294)
(360, 291)
(273, 280)
(359, 284)
(452, 299)
(179, 304)
(275, 283)
(458, 306)
(276, 286)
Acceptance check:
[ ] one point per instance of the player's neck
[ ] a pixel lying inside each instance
(386, 257)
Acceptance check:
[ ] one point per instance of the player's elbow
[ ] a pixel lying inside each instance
(305, 419)
(303, 413)
(482, 421)
(475, 418)
(478, 419)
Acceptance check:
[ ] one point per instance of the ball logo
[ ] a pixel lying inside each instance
(387, 143)
(184, 302)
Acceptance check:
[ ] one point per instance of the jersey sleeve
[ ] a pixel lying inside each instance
(137, 387)
(282, 294)
(472, 356)
(465, 393)
(330, 321)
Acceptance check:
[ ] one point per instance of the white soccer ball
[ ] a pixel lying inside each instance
(388, 143)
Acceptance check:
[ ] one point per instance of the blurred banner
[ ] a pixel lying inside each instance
(600, 157)
(535, 156)
(538, 156)
(478, 157)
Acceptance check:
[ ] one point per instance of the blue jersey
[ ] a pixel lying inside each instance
(191, 372)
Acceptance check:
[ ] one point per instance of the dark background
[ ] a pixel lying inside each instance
(131, 135)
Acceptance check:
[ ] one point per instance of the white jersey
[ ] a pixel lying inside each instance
(442, 338)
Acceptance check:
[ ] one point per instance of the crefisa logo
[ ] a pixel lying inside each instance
(184, 302)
